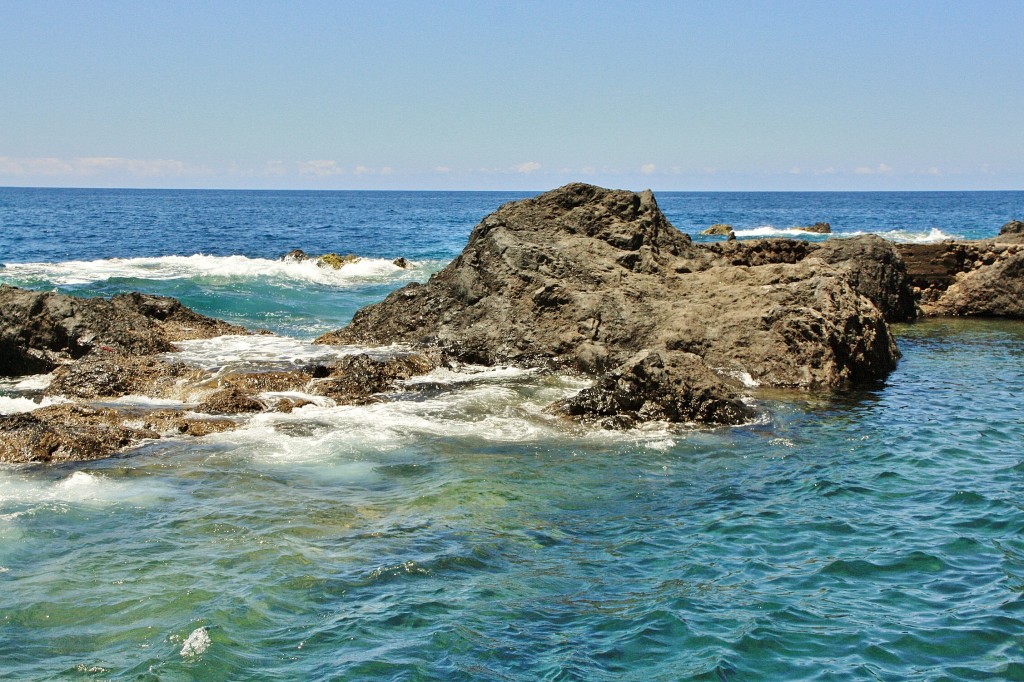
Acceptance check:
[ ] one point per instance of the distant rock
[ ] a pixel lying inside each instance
(816, 228)
(295, 256)
(718, 230)
(333, 260)
(400, 262)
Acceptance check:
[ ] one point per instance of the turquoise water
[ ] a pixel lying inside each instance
(460, 532)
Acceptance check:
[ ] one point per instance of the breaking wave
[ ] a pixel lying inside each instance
(223, 268)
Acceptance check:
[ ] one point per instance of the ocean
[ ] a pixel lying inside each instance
(461, 533)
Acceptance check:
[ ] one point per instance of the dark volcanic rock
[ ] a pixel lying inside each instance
(584, 278)
(646, 388)
(718, 230)
(875, 269)
(40, 330)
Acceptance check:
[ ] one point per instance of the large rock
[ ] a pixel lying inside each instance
(585, 278)
(41, 329)
(646, 388)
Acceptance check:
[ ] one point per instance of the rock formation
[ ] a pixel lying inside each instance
(981, 278)
(583, 278)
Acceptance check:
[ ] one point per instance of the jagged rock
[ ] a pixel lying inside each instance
(584, 278)
(74, 432)
(400, 262)
(718, 230)
(356, 379)
(647, 388)
(875, 269)
(295, 256)
(816, 228)
(333, 260)
(40, 330)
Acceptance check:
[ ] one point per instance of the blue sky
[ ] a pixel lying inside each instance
(513, 95)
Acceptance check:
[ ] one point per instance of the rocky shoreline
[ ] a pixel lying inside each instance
(579, 279)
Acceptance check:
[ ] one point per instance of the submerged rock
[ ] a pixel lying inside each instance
(585, 278)
(358, 379)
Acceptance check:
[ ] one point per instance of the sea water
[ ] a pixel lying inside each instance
(461, 532)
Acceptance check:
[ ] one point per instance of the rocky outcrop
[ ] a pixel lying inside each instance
(964, 278)
(584, 278)
(41, 330)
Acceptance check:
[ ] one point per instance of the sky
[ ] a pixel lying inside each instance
(479, 95)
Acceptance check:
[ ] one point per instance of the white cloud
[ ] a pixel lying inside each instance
(588, 170)
(795, 170)
(648, 169)
(880, 169)
(527, 167)
(362, 170)
(320, 167)
(442, 169)
(85, 166)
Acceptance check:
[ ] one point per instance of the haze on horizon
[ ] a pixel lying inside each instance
(512, 95)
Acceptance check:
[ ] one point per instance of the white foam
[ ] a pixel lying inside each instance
(196, 644)
(21, 405)
(34, 382)
(772, 231)
(461, 374)
(223, 351)
(203, 266)
(905, 236)
(134, 400)
(29, 488)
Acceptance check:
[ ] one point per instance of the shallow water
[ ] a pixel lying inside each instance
(460, 532)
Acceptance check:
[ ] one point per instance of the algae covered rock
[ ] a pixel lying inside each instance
(816, 228)
(333, 260)
(718, 230)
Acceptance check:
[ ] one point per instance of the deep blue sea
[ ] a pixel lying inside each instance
(464, 534)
